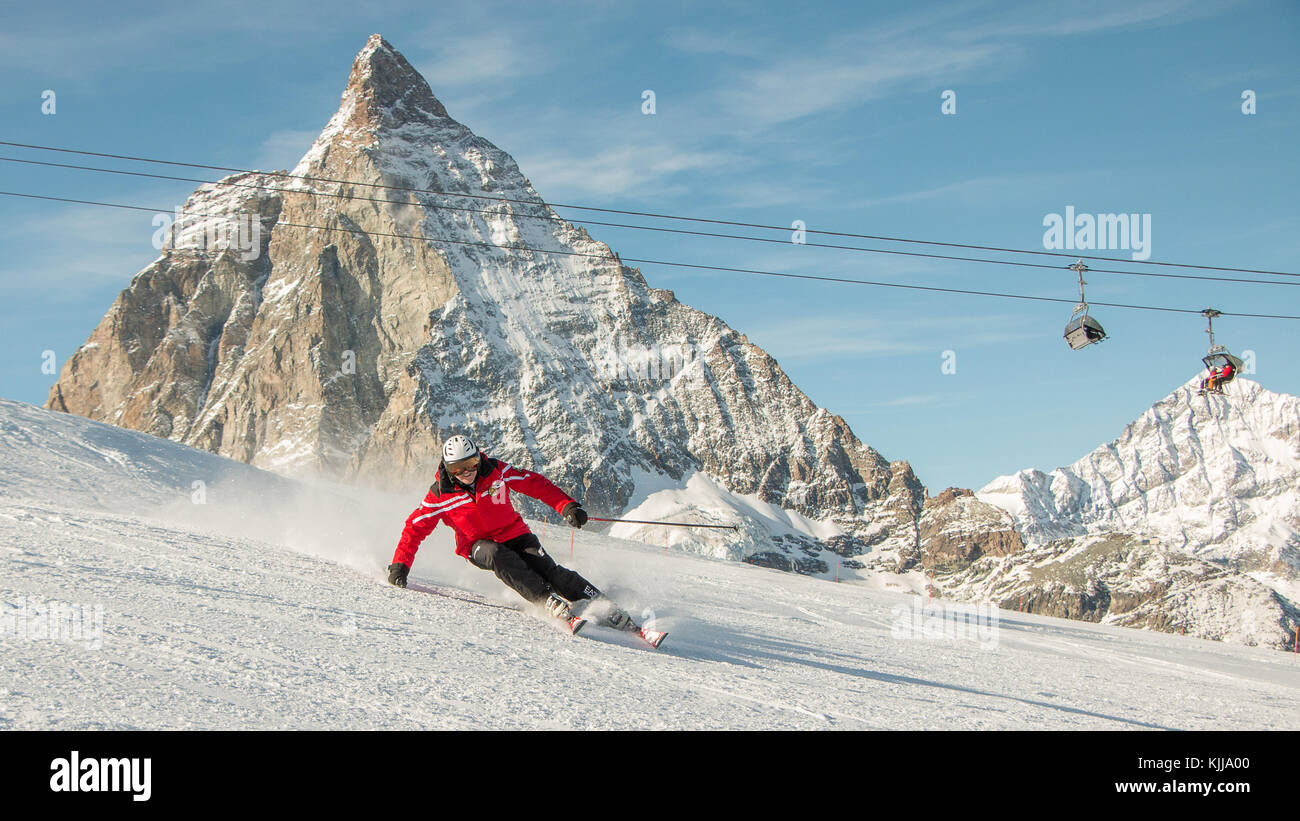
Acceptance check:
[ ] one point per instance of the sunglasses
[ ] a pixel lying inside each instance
(463, 467)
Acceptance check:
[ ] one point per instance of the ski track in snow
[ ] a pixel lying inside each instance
(277, 615)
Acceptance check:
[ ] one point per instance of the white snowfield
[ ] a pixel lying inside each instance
(147, 585)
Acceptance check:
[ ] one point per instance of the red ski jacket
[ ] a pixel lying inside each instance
(482, 513)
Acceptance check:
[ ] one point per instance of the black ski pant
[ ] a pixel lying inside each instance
(523, 565)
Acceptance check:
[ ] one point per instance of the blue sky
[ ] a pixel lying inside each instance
(829, 114)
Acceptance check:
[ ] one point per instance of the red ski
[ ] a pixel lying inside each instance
(618, 619)
(651, 637)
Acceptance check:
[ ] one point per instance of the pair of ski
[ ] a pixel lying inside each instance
(650, 637)
(573, 623)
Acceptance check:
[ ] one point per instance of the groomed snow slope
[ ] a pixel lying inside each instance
(254, 602)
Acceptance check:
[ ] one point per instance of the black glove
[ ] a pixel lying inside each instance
(576, 516)
(397, 574)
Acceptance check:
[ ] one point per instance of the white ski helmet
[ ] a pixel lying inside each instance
(458, 449)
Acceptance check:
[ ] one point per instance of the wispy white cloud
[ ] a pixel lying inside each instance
(102, 37)
(853, 72)
(761, 83)
(74, 246)
(71, 51)
(982, 189)
(1065, 18)
(491, 55)
(919, 50)
(767, 191)
(621, 168)
(282, 149)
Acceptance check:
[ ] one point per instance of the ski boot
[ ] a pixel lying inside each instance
(611, 615)
(618, 619)
(607, 614)
(560, 609)
(557, 607)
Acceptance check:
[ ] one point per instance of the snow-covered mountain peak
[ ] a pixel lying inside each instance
(384, 93)
(1215, 474)
(383, 77)
(412, 284)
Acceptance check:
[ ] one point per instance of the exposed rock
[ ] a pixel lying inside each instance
(956, 529)
(1206, 492)
(1129, 582)
(375, 321)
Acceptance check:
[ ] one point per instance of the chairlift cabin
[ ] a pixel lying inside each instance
(1082, 330)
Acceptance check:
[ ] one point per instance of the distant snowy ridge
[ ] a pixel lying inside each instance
(1218, 476)
(1189, 521)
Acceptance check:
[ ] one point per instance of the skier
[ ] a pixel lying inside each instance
(1207, 384)
(1225, 375)
(1218, 376)
(471, 494)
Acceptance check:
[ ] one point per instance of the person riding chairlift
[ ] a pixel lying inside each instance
(1214, 382)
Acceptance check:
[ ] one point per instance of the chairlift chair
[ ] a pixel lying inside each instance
(1220, 358)
(1218, 355)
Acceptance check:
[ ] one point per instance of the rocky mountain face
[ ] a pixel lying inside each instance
(370, 320)
(1189, 520)
(956, 529)
(406, 282)
(1129, 582)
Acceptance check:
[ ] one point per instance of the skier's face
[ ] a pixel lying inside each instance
(464, 470)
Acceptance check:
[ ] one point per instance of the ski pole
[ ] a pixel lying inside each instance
(666, 524)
